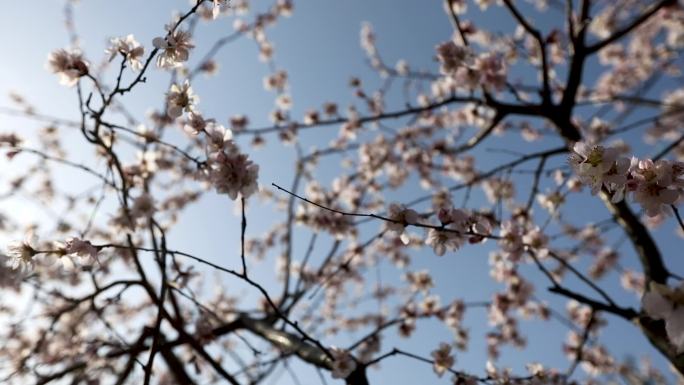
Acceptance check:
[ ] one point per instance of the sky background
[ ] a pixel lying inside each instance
(319, 47)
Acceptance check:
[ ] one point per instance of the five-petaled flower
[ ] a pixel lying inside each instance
(21, 253)
(175, 49)
(179, 99)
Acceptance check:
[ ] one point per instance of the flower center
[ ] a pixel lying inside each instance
(595, 157)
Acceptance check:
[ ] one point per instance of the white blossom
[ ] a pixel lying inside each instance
(597, 166)
(175, 49)
(21, 253)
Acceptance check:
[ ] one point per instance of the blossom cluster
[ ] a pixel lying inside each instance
(230, 171)
(653, 184)
(21, 254)
(469, 70)
(458, 227)
(518, 237)
(129, 48)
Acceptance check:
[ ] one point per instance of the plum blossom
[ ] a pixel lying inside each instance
(459, 6)
(442, 359)
(21, 253)
(68, 65)
(195, 123)
(80, 248)
(498, 189)
(284, 7)
(420, 280)
(453, 56)
(597, 166)
(129, 48)
(538, 241)
(73, 247)
(231, 172)
(143, 206)
(401, 217)
(180, 98)
(276, 81)
(442, 241)
(459, 226)
(662, 302)
(655, 184)
(368, 40)
(239, 122)
(430, 305)
(551, 201)
(511, 241)
(209, 68)
(218, 137)
(402, 68)
(484, 4)
(343, 363)
(175, 48)
(456, 217)
(216, 9)
(338, 225)
(492, 69)
(369, 348)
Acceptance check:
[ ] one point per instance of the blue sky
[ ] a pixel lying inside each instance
(319, 46)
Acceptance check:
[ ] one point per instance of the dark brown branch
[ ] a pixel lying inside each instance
(669, 148)
(457, 22)
(243, 228)
(626, 313)
(366, 119)
(536, 34)
(579, 354)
